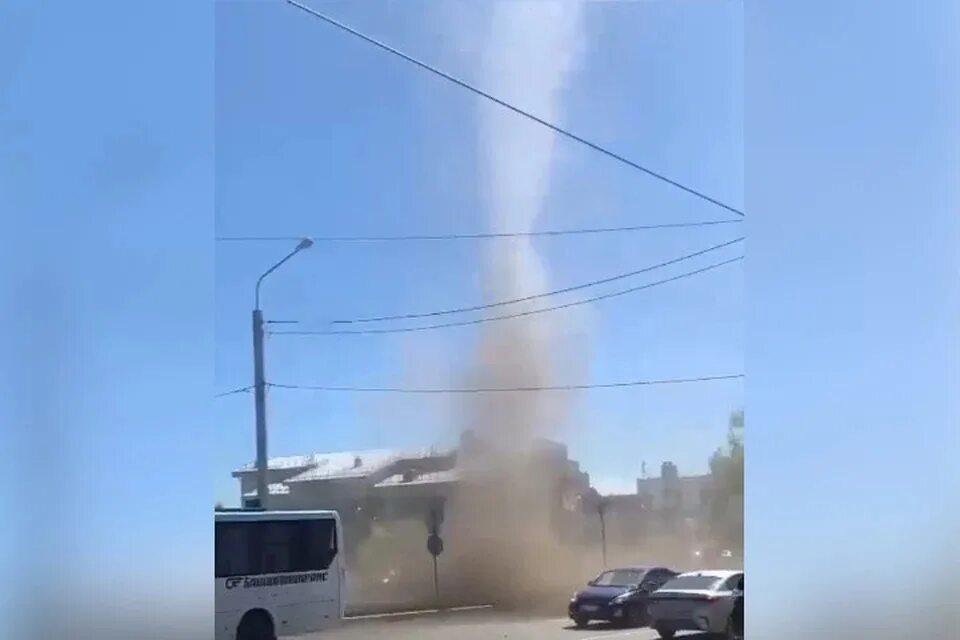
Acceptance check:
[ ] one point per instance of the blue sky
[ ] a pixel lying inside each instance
(852, 292)
(321, 134)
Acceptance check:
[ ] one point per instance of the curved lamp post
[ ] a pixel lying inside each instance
(259, 384)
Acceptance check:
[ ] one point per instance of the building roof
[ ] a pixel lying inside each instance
(376, 467)
(327, 460)
(433, 477)
(347, 464)
(339, 465)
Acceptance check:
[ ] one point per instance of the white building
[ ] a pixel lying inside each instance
(671, 491)
(372, 486)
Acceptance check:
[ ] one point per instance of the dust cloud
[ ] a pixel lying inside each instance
(514, 536)
(502, 522)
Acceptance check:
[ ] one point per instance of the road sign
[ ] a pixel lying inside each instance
(435, 545)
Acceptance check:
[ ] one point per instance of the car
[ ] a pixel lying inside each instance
(618, 596)
(706, 601)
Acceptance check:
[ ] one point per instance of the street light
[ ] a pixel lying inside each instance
(306, 243)
(259, 384)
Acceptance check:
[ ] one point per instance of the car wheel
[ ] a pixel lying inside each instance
(666, 634)
(635, 616)
(580, 621)
(256, 625)
(731, 632)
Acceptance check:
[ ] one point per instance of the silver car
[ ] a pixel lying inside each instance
(707, 601)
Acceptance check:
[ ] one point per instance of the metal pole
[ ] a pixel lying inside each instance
(259, 393)
(259, 384)
(436, 582)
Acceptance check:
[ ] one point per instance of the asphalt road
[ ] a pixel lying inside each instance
(480, 625)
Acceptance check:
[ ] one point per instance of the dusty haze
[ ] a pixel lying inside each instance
(501, 543)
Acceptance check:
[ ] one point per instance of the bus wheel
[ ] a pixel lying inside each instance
(256, 625)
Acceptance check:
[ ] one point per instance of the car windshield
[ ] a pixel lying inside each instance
(619, 578)
(692, 583)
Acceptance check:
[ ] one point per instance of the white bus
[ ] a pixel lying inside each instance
(277, 573)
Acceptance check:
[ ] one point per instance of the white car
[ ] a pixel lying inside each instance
(707, 601)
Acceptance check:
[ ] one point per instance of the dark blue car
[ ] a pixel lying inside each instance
(618, 596)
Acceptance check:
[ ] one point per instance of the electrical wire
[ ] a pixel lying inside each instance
(570, 387)
(410, 316)
(512, 315)
(230, 393)
(481, 236)
(517, 110)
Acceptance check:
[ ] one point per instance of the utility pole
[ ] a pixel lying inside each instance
(260, 402)
(435, 546)
(436, 582)
(259, 380)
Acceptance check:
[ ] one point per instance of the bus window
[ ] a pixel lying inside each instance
(319, 544)
(278, 546)
(235, 553)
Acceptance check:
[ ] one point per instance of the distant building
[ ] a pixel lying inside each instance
(372, 486)
(678, 507)
(626, 521)
(688, 495)
(323, 480)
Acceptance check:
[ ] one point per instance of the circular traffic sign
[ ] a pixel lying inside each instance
(435, 545)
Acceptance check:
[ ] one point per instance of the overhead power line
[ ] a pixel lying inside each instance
(569, 387)
(410, 316)
(230, 393)
(517, 110)
(512, 315)
(480, 236)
